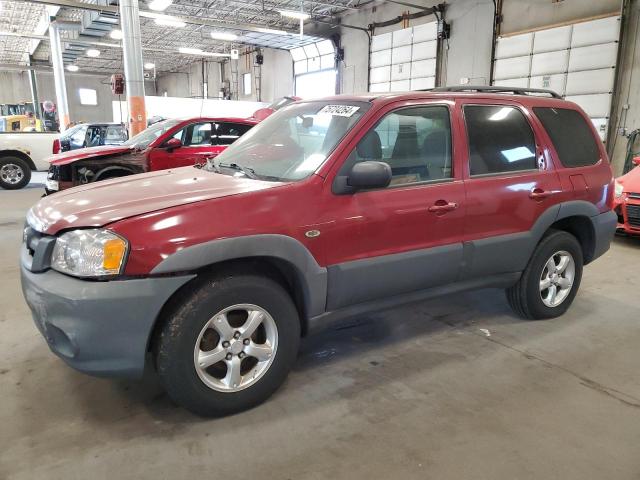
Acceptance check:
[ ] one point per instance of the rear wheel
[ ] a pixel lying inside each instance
(228, 344)
(15, 173)
(551, 280)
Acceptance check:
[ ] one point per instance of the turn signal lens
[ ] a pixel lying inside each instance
(114, 251)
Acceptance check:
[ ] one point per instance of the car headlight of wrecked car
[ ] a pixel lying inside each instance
(89, 253)
(619, 189)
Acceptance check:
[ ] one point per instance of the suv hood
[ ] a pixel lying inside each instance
(104, 202)
(631, 180)
(84, 153)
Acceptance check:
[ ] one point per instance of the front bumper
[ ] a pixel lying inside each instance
(628, 213)
(99, 328)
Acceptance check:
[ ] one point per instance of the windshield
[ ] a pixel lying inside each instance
(292, 143)
(145, 137)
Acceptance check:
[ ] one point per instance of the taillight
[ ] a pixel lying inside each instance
(56, 146)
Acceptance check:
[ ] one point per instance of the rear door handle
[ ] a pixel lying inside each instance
(539, 194)
(442, 206)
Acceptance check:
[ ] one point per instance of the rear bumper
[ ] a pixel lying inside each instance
(604, 226)
(99, 328)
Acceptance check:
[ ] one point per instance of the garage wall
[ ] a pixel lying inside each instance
(14, 87)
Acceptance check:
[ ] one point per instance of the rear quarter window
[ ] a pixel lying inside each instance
(571, 136)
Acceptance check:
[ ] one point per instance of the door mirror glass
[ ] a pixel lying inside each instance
(173, 143)
(369, 174)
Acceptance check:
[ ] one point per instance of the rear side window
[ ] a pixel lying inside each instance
(227, 133)
(500, 140)
(570, 135)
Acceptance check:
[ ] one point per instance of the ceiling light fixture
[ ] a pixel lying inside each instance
(230, 37)
(116, 34)
(294, 14)
(72, 68)
(160, 5)
(93, 53)
(170, 22)
(149, 66)
(272, 30)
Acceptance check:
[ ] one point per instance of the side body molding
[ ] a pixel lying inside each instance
(311, 276)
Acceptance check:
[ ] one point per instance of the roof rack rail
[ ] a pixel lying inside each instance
(496, 89)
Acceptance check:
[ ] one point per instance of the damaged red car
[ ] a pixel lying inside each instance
(627, 200)
(167, 144)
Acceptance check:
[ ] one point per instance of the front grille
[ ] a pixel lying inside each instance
(633, 215)
(39, 248)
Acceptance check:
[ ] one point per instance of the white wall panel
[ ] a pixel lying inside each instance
(424, 50)
(381, 42)
(404, 59)
(549, 62)
(402, 37)
(380, 74)
(425, 32)
(379, 87)
(601, 125)
(423, 83)
(400, 85)
(512, 67)
(593, 57)
(553, 82)
(552, 39)
(401, 71)
(596, 106)
(515, 82)
(423, 68)
(590, 81)
(380, 58)
(515, 46)
(603, 30)
(401, 54)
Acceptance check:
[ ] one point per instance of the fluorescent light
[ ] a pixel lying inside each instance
(271, 30)
(190, 51)
(116, 34)
(224, 36)
(160, 5)
(170, 22)
(93, 53)
(197, 51)
(149, 66)
(72, 68)
(294, 14)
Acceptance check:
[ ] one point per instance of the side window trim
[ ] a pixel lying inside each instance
(508, 173)
(450, 112)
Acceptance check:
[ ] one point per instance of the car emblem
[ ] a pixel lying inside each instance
(312, 233)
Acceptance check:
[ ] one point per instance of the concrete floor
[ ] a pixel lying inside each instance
(453, 388)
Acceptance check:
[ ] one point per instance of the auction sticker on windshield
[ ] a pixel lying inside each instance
(339, 110)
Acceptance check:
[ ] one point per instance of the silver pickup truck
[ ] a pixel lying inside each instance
(21, 153)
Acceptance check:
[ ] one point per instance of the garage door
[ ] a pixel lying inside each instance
(577, 60)
(404, 59)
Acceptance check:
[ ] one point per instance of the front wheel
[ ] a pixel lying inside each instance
(227, 344)
(551, 280)
(15, 173)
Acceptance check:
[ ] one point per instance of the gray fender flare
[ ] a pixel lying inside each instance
(311, 276)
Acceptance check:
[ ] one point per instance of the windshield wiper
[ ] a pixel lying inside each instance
(247, 171)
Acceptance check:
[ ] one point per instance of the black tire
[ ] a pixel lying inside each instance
(191, 309)
(525, 296)
(25, 173)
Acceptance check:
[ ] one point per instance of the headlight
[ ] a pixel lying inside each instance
(619, 189)
(89, 253)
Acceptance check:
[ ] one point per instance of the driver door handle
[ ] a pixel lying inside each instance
(442, 206)
(539, 194)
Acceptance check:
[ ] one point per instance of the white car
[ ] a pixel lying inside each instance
(22, 152)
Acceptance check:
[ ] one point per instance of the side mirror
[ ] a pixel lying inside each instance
(636, 161)
(172, 143)
(369, 174)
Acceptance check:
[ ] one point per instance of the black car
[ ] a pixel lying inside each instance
(92, 135)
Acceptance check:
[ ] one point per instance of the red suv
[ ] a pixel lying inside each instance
(327, 209)
(166, 144)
